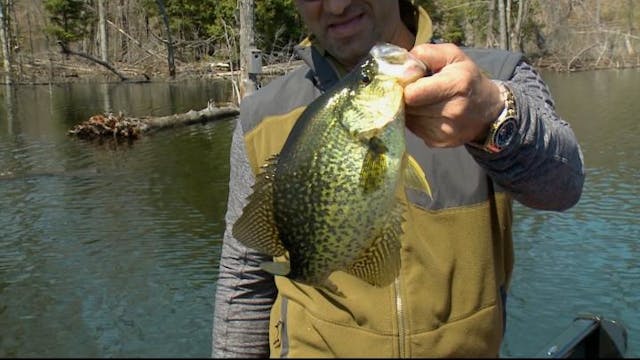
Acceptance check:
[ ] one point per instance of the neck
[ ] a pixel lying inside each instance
(404, 37)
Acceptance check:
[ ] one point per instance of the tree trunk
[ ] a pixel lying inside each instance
(4, 42)
(30, 36)
(170, 58)
(507, 16)
(102, 25)
(517, 32)
(630, 29)
(491, 37)
(630, 12)
(122, 50)
(247, 42)
(502, 23)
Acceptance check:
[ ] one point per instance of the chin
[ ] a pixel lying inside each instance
(350, 53)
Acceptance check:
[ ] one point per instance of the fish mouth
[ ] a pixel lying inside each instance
(397, 62)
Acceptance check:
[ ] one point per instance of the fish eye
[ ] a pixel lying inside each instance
(366, 79)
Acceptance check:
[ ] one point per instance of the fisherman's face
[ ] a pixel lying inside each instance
(347, 29)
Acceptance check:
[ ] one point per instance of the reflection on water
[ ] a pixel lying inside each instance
(109, 249)
(112, 249)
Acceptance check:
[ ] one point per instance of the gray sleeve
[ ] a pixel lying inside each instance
(244, 293)
(543, 167)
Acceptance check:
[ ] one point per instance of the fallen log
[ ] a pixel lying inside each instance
(123, 127)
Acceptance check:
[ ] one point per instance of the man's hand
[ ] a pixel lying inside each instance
(455, 105)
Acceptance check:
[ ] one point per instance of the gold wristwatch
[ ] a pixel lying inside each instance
(503, 129)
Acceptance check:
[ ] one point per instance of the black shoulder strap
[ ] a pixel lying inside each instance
(500, 64)
(321, 72)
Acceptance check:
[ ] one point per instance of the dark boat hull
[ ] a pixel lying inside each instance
(589, 337)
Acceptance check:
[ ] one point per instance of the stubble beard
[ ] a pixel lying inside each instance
(350, 52)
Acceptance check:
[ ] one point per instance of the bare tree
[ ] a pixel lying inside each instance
(630, 28)
(507, 16)
(232, 48)
(502, 23)
(247, 42)
(491, 37)
(170, 57)
(102, 25)
(4, 42)
(120, 42)
(517, 40)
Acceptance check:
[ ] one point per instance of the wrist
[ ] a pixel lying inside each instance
(490, 115)
(500, 132)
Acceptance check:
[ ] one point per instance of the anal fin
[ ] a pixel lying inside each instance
(379, 264)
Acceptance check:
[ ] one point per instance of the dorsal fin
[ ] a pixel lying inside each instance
(256, 227)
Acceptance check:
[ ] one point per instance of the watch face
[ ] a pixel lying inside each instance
(505, 133)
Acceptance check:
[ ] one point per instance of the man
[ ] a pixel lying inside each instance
(482, 142)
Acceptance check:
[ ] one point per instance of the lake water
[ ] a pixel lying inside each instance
(586, 259)
(111, 249)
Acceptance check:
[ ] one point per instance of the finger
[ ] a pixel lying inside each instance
(432, 89)
(430, 136)
(433, 111)
(446, 62)
(413, 71)
(437, 56)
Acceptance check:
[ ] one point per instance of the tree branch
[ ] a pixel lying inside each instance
(66, 50)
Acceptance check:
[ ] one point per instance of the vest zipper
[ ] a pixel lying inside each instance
(400, 319)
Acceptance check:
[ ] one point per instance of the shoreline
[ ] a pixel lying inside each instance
(61, 71)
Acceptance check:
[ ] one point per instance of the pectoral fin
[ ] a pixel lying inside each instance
(414, 176)
(276, 268)
(374, 165)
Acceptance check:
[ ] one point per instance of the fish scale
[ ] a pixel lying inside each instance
(322, 194)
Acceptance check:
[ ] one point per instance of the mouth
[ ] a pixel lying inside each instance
(345, 27)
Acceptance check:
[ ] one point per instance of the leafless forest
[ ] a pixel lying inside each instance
(588, 34)
(564, 35)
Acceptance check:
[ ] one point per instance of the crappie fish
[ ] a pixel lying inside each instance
(333, 198)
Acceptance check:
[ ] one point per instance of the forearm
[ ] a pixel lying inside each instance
(543, 167)
(244, 296)
(245, 293)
